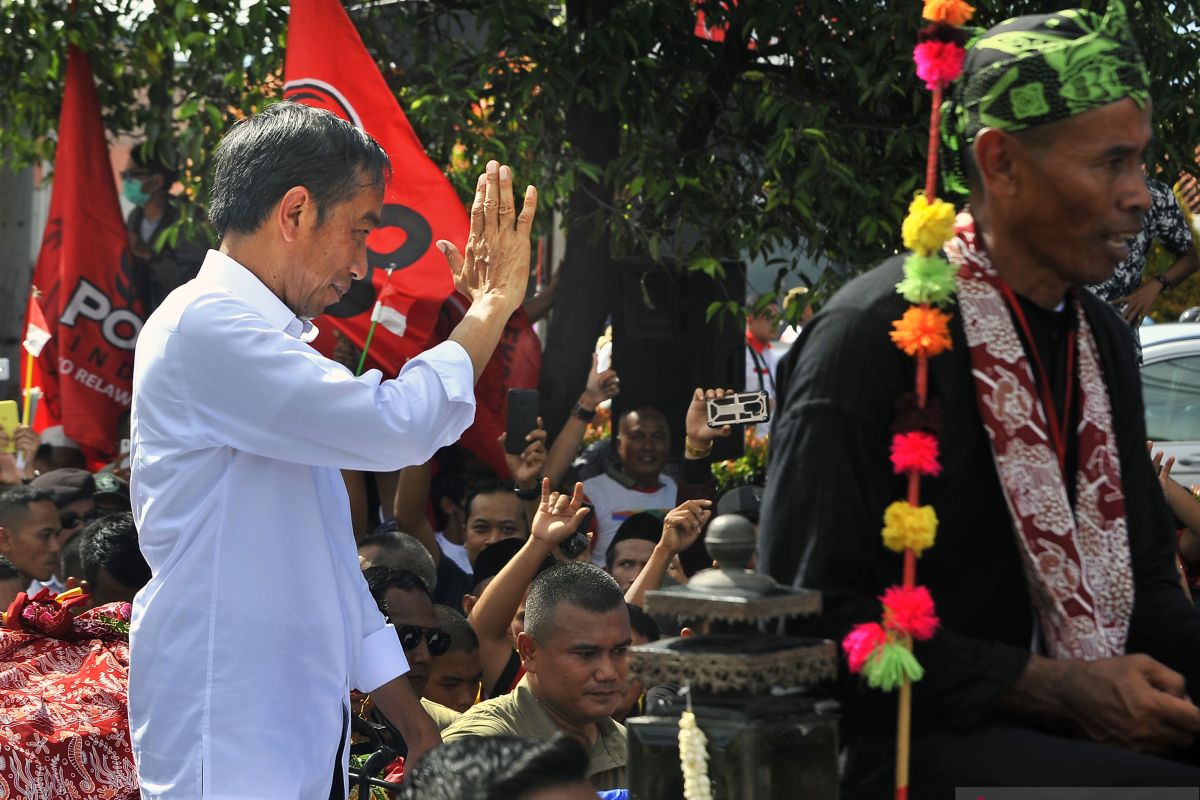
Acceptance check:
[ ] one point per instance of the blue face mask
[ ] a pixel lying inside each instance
(134, 192)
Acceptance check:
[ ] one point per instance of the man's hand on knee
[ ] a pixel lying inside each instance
(1131, 701)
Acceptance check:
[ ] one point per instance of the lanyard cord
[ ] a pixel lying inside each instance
(1057, 420)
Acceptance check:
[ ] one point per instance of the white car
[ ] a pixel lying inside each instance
(1171, 391)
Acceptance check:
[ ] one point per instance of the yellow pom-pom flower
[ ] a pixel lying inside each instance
(928, 226)
(908, 527)
(952, 12)
(922, 331)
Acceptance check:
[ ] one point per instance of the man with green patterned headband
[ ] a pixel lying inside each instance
(1068, 650)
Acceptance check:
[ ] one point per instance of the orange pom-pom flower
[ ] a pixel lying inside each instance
(922, 331)
(952, 12)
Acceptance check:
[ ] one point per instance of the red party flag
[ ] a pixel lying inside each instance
(93, 308)
(328, 67)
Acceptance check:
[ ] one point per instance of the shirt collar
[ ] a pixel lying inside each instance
(221, 270)
(755, 344)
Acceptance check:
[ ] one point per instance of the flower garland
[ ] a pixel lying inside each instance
(882, 651)
(693, 755)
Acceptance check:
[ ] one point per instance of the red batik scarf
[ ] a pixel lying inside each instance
(1077, 564)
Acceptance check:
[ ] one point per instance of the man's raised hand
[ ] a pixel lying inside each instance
(683, 524)
(558, 516)
(495, 266)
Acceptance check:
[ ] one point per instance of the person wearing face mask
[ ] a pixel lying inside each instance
(146, 183)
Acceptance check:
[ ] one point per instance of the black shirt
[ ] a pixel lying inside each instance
(830, 479)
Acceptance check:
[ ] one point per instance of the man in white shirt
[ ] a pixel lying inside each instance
(239, 678)
(638, 484)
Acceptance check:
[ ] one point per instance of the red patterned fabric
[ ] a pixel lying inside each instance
(1077, 562)
(64, 729)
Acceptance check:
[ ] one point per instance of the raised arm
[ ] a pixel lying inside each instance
(412, 493)
(557, 517)
(600, 387)
(528, 467)
(681, 528)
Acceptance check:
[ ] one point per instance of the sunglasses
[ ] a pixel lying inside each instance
(410, 637)
(69, 519)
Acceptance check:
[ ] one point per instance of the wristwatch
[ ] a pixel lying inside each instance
(1166, 284)
(585, 414)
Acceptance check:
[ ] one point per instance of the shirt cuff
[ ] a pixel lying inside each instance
(380, 658)
(453, 366)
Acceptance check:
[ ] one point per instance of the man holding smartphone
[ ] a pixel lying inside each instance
(240, 682)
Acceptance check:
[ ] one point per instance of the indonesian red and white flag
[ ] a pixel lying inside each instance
(37, 332)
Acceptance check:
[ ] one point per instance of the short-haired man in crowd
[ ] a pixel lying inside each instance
(403, 599)
(239, 430)
(456, 677)
(29, 530)
(73, 491)
(113, 566)
(637, 482)
(394, 549)
(574, 647)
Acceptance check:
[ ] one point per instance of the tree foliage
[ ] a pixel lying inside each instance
(802, 131)
(803, 128)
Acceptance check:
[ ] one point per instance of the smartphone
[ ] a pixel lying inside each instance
(522, 419)
(577, 542)
(8, 423)
(741, 408)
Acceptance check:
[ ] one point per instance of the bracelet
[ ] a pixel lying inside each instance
(1166, 284)
(695, 452)
(527, 494)
(585, 414)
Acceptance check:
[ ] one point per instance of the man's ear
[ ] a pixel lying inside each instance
(449, 507)
(527, 650)
(294, 211)
(469, 601)
(6, 542)
(998, 156)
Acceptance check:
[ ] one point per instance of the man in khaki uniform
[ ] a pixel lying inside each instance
(574, 647)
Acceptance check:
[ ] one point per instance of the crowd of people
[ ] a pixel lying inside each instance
(481, 624)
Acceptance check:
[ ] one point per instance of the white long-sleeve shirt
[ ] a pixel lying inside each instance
(257, 621)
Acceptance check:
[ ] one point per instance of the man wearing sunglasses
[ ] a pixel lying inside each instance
(405, 602)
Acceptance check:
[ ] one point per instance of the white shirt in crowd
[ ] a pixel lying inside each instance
(760, 376)
(616, 503)
(455, 552)
(257, 622)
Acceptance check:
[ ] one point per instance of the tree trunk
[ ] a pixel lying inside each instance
(586, 285)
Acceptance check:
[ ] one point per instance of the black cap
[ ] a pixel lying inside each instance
(744, 500)
(492, 559)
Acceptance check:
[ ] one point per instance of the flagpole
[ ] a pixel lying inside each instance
(25, 420)
(376, 313)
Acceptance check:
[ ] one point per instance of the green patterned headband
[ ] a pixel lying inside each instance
(1032, 70)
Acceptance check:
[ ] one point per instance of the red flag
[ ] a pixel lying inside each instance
(328, 67)
(93, 309)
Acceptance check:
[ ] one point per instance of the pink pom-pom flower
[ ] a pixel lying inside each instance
(861, 642)
(910, 612)
(915, 451)
(939, 63)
